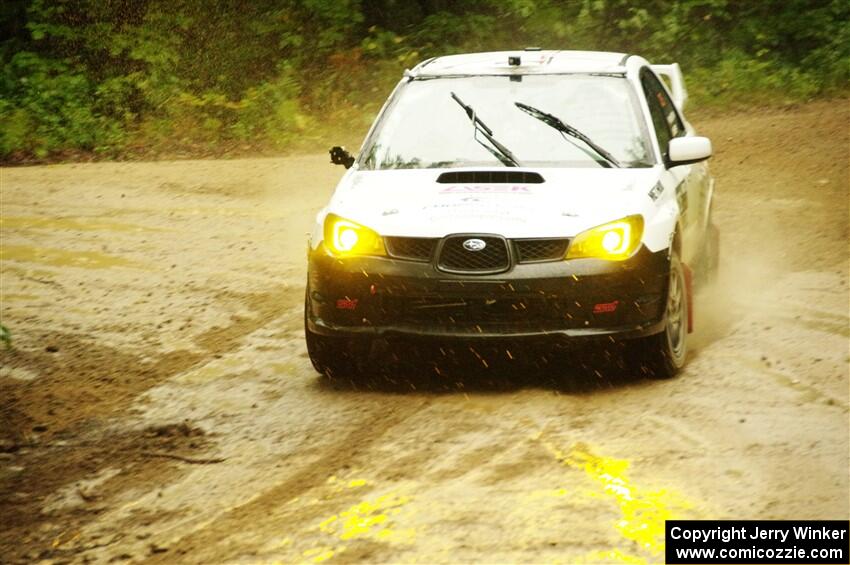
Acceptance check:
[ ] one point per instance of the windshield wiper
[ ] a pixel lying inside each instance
(555, 122)
(498, 150)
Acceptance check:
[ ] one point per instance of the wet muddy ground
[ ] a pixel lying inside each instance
(158, 405)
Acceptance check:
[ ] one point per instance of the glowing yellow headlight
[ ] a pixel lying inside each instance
(614, 241)
(344, 237)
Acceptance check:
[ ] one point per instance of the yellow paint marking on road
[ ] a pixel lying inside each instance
(374, 519)
(319, 554)
(643, 512)
(339, 486)
(370, 519)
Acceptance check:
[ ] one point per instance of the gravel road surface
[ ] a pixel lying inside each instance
(158, 405)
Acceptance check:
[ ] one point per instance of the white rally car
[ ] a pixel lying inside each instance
(517, 195)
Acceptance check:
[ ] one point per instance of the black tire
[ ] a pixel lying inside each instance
(337, 358)
(662, 355)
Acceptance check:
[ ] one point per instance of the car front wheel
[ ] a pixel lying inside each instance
(662, 355)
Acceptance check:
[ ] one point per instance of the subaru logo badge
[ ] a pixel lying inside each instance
(474, 244)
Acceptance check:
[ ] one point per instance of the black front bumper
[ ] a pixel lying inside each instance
(384, 297)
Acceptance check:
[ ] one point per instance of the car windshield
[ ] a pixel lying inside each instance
(424, 127)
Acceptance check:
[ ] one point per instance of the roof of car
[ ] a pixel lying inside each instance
(530, 61)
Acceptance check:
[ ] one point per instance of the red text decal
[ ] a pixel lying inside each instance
(604, 307)
(346, 303)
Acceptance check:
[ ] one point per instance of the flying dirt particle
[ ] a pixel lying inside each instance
(52, 348)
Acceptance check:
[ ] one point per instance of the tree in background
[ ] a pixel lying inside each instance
(200, 77)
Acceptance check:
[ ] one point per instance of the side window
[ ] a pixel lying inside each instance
(665, 119)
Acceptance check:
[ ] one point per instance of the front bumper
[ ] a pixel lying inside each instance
(384, 297)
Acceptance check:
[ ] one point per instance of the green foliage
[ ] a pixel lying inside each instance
(191, 77)
(267, 114)
(739, 81)
(271, 111)
(5, 336)
(48, 106)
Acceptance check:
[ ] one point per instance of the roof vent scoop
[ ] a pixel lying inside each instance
(490, 177)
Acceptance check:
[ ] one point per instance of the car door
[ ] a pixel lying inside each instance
(687, 179)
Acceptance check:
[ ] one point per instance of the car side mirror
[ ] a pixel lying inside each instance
(687, 150)
(339, 156)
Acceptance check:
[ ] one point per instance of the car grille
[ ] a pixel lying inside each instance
(539, 250)
(493, 258)
(496, 312)
(455, 258)
(471, 310)
(411, 248)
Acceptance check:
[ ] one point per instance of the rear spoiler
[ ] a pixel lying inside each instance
(673, 74)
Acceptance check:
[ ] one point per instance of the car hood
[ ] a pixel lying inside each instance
(412, 203)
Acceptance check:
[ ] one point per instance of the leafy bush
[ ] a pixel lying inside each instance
(49, 106)
(741, 81)
(189, 77)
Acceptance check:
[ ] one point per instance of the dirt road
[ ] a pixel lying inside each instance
(158, 404)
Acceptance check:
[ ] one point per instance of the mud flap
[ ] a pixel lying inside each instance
(689, 285)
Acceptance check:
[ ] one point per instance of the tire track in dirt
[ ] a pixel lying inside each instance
(349, 451)
(84, 385)
(102, 374)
